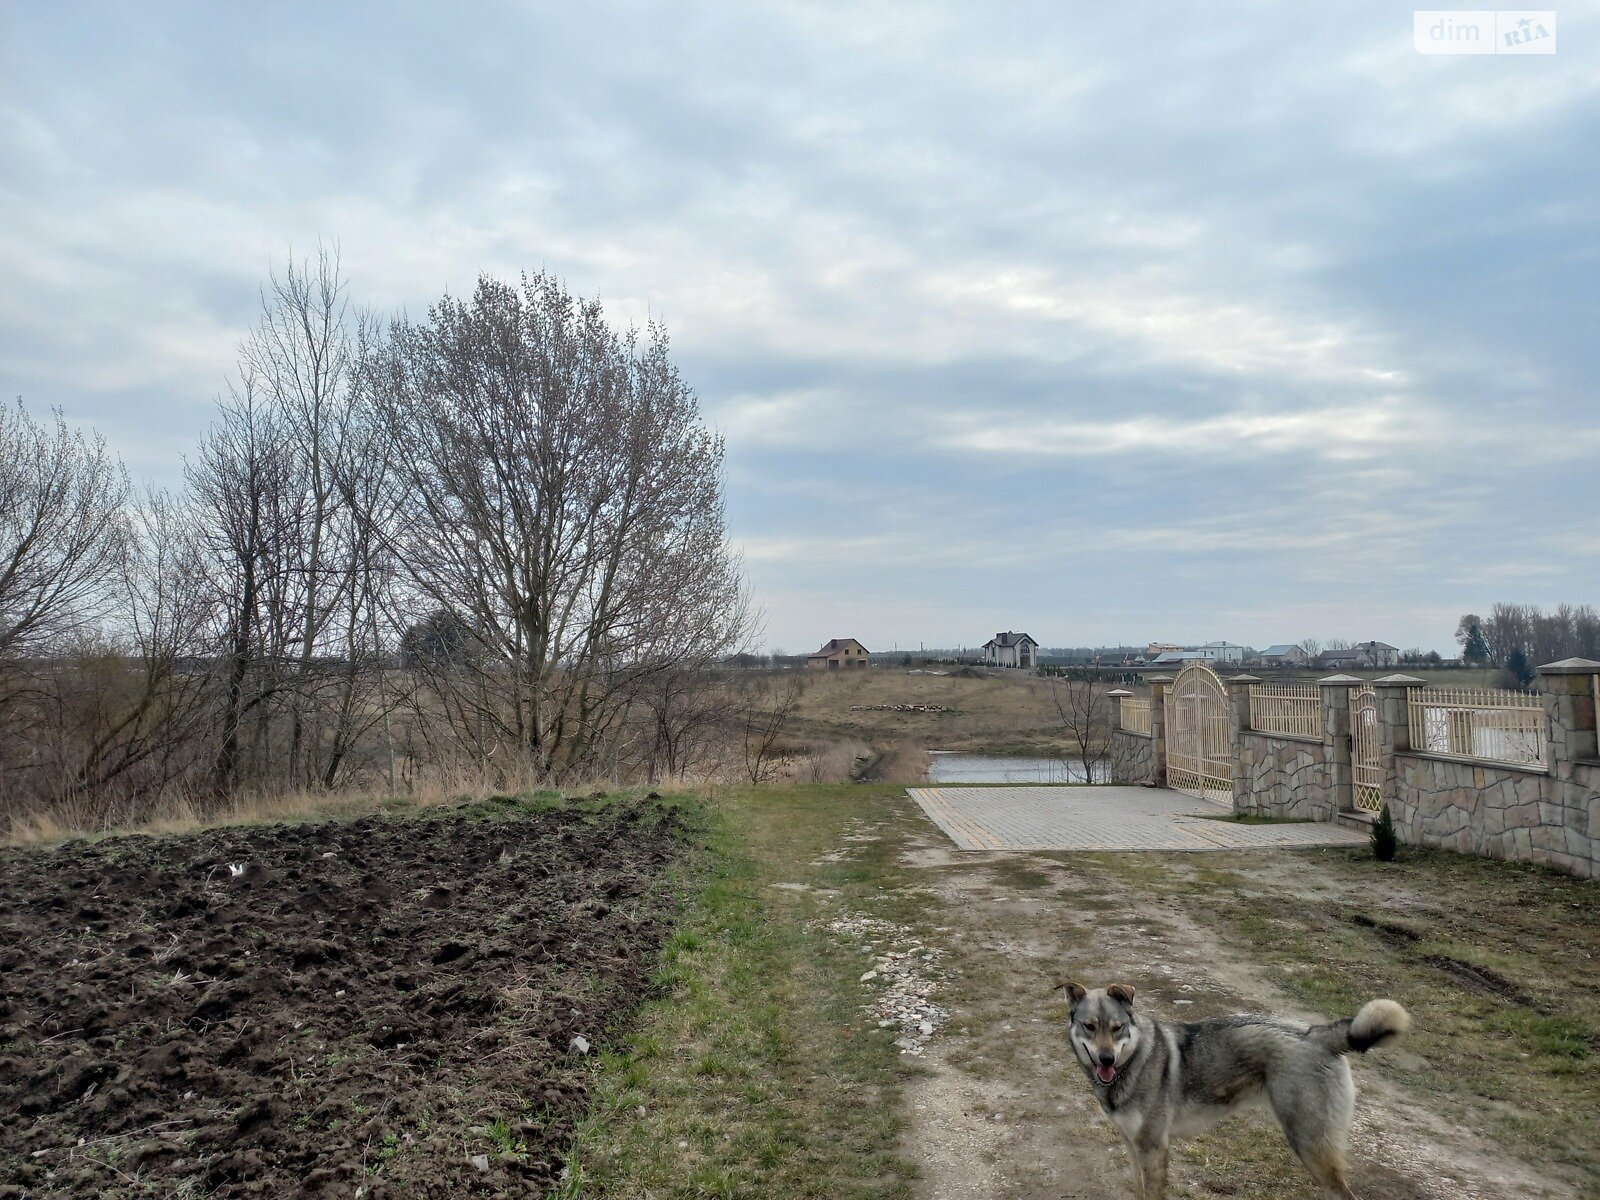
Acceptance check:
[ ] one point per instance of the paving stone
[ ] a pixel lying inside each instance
(1105, 818)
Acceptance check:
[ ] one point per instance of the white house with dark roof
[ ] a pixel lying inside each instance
(1378, 654)
(1011, 650)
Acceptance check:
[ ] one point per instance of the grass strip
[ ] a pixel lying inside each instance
(753, 1073)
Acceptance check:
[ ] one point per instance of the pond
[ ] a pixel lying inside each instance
(954, 766)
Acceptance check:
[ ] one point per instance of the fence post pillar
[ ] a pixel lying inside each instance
(1394, 736)
(1336, 740)
(1158, 728)
(1239, 721)
(1568, 691)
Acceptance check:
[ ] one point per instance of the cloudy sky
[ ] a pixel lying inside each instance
(1108, 323)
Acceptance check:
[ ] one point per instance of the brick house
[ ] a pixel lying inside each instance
(839, 653)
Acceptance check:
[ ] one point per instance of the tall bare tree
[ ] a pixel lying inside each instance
(567, 499)
(294, 481)
(239, 479)
(305, 355)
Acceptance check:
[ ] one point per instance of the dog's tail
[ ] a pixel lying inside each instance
(1378, 1022)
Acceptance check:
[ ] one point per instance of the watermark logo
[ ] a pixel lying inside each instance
(1476, 31)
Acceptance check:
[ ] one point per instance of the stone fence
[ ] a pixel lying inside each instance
(1545, 809)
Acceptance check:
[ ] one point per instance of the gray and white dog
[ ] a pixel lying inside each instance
(1158, 1080)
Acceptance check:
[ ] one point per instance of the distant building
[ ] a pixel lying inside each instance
(1378, 654)
(1284, 656)
(1157, 649)
(1362, 654)
(1226, 652)
(1011, 650)
(1176, 658)
(1213, 652)
(1337, 660)
(837, 653)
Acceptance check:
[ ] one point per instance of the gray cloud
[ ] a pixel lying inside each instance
(1251, 324)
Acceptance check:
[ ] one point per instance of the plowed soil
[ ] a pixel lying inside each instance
(383, 1005)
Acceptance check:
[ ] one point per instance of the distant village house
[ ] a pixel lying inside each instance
(1011, 650)
(1337, 660)
(1211, 652)
(1284, 656)
(1379, 654)
(1362, 654)
(837, 653)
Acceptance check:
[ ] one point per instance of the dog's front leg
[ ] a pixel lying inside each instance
(1136, 1161)
(1152, 1160)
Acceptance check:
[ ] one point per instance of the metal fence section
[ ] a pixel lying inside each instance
(1366, 753)
(1136, 715)
(1291, 708)
(1486, 723)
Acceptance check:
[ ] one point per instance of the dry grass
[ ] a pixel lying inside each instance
(903, 764)
(186, 814)
(1001, 712)
(833, 762)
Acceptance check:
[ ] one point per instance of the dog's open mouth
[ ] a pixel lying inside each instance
(1105, 1074)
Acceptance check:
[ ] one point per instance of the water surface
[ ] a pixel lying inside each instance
(953, 766)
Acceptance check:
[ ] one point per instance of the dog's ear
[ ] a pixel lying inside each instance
(1122, 992)
(1076, 991)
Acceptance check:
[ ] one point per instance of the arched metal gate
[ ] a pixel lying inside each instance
(1199, 760)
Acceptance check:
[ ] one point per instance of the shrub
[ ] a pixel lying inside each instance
(1385, 843)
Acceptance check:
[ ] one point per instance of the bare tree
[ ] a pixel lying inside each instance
(687, 712)
(61, 528)
(513, 463)
(565, 497)
(62, 534)
(1087, 716)
(767, 706)
(144, 729)
(240, 482)
(294, 485)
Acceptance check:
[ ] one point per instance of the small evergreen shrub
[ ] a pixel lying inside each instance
(1385, 844)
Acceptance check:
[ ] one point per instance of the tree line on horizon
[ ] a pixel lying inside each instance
(489, 539)
(1518, 638)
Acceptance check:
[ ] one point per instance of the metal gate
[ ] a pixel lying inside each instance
(1365, 761)
(1199, 759)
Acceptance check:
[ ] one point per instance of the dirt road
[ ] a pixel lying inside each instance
(1003, 1111)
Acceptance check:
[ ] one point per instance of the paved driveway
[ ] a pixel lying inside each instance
(1104, 818)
